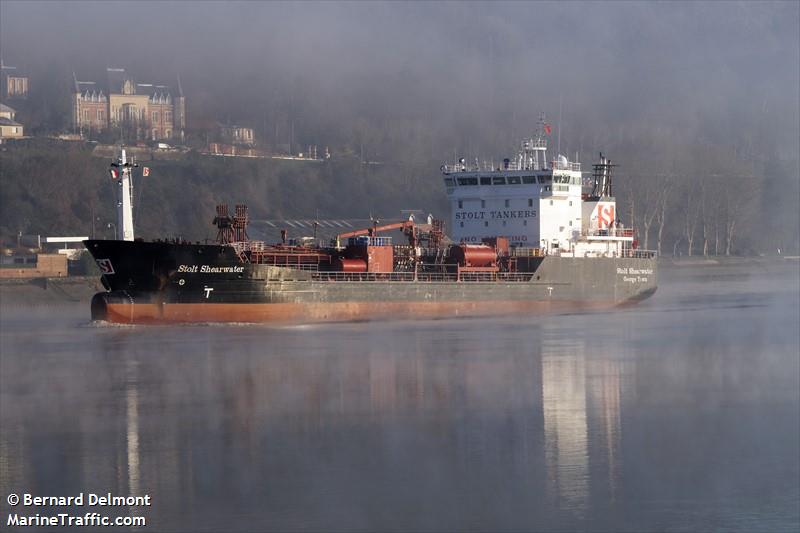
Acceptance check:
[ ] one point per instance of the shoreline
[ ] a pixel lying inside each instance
(48, 291)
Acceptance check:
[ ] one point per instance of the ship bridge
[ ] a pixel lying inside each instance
(535, 203)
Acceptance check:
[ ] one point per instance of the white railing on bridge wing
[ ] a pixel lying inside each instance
(449, 169)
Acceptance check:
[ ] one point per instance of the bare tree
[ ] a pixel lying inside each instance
(661, 210)
(693, 194)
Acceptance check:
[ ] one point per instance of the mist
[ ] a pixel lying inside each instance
(676, 90)
(720, 71)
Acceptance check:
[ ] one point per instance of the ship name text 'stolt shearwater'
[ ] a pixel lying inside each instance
(206, 269)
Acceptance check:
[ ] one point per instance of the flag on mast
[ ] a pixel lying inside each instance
(547, 128)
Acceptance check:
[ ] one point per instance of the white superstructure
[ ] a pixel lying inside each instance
(536, 204)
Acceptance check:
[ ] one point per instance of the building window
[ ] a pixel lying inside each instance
(99, 115)
(508, 203)
(155, 134)
(86, 115)
(155, 117)
(168, 116)
(168, 134)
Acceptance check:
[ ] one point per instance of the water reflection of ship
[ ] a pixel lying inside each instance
(575, 424)
(581, 394)
(541, 417)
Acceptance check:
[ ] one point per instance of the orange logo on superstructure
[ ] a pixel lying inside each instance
(605, 215)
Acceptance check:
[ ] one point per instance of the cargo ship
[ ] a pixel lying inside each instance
(530, 235)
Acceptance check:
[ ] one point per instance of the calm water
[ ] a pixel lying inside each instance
(679, 414)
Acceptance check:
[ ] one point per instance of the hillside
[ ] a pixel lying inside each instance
(686, 200)
(53, 188)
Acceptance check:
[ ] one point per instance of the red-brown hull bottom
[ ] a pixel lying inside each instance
(283, 313)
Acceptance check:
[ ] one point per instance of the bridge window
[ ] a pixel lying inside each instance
(528, 179)
(486, 181)
(461, 204)
(467, 181)
(483, 203)
(541, 179)
(514, 180)
(530, 202)
(499, 180)
(461, 224)
(524, 222)
(450, 182)
(486, 223)
(508, 203)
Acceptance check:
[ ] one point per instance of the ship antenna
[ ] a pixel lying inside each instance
(558, 142)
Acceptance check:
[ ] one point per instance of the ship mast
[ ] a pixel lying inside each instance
(533, 153)
(121, 173)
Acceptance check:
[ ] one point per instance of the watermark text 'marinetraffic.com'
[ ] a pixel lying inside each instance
(67, 520)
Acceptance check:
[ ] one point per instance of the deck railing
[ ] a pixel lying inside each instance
(608, 232)
(423, 277)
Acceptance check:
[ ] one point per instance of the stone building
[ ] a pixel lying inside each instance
(233, 134)
(141, 110)
(13, 82)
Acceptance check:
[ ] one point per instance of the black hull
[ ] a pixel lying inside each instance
(166, 282)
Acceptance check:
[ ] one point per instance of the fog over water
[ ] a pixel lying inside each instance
(680, 413)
